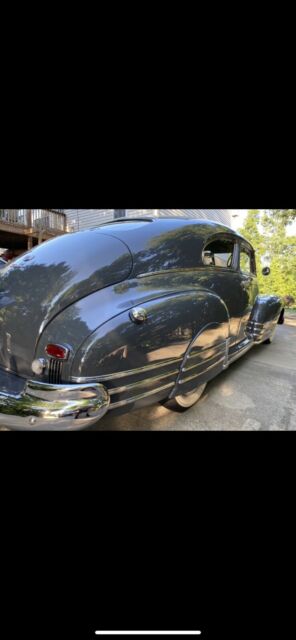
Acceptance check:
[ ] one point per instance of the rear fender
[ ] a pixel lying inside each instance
(136, 361)
(206, 356)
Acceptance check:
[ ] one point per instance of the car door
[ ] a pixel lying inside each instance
(248, 285)
(222, 275)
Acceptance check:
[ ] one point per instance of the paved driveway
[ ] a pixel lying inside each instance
(258, 392)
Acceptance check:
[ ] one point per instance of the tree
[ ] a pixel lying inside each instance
(266, 230)
(287, 216)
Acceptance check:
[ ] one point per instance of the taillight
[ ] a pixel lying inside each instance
(57, 351)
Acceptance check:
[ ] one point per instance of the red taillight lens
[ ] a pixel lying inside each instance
(57, 351)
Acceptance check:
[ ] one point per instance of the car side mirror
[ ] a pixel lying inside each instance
(265, 271)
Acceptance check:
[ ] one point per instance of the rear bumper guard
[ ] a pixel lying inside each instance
(42, 406)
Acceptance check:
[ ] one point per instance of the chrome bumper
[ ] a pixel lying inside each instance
(53, 407)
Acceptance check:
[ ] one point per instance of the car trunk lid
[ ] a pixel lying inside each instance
(43, 282)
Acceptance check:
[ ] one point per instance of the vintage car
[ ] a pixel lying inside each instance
(130, 313)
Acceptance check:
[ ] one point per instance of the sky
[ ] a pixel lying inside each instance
(238, 216)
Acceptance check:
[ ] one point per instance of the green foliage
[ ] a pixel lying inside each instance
(285, 215)
(267, 232)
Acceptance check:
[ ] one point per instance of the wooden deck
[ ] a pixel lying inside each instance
(23, 228)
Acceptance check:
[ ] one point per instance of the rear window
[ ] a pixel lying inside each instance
(219, 253)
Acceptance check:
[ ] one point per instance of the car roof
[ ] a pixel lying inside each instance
(123, 226)
(126, 228)
(161, 243)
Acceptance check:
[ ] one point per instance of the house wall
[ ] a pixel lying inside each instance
(79, 219)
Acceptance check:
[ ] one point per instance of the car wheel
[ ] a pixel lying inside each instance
(281, 319)
(270, 339)
(186, 400)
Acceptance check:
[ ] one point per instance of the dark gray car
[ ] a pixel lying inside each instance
(130, 313)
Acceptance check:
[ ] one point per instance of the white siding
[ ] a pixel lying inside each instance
(79, 219)
(219, 215)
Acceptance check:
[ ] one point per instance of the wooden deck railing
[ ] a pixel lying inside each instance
(41, 219)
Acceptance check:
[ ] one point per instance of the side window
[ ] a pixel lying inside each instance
(219, 253)
(247, 260)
